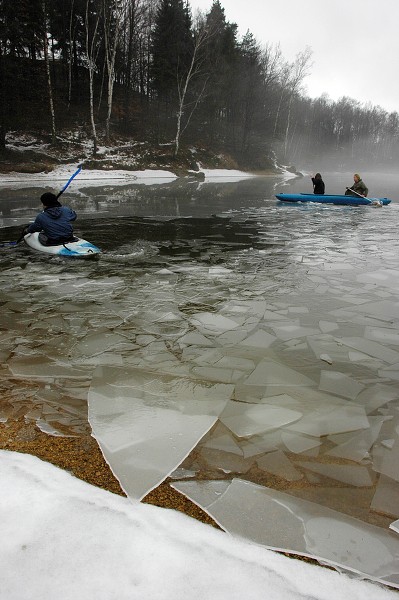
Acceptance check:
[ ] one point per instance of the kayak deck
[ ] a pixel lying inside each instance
(333, 199)
(77, 249)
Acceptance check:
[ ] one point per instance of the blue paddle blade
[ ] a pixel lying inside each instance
(8, 244)
(69, 181)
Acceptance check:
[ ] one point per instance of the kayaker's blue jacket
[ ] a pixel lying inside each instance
(55, 222)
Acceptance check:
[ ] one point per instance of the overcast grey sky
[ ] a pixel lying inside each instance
(355, 43)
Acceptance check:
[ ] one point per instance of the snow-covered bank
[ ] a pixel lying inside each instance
(85, 177)
(64, 537)
(90, 177)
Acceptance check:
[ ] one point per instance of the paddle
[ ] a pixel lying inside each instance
(357, 194)
(21, 237)
(373, 201)
(69, 181)
(6, 244)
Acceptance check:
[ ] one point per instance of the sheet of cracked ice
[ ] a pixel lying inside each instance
(282, 522)
(146, 423)
(293, 308)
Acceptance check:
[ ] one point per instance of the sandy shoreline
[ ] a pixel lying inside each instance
(82, 457)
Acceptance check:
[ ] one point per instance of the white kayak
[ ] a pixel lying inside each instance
(77, 249)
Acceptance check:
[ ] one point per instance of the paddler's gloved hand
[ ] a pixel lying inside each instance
(23, 234)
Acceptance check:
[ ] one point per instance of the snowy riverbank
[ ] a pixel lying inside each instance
(62, 534)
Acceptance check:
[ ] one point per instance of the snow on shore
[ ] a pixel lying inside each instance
(64, 538)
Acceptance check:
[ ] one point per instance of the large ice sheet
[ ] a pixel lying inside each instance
(297, 443)
(327, 420)
(395, 526)
(327, 344)
(357, 447)
(351, 474)
(282, 522)
(372, 348)
(292, 329)
(383, 309)
(213, 324)
(94, 344)
(386, 461)
(259, 339)
(269, 372)
(246, 420)
(278, 464)
(43, 367)
(340, 384)
(386, 497)
(382, 335)
(146, 423)
(376, 396)
(383, 277)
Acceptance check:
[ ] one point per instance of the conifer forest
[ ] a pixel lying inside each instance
(153, 70)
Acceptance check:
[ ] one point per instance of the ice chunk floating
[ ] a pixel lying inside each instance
(306, 529)
(248, 344)
(146, 423)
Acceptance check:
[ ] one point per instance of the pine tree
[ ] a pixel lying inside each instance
(222, 63)
(67, 29)
(172, 45)
(21, 28)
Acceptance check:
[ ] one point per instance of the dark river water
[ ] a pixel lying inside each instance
(291, 311)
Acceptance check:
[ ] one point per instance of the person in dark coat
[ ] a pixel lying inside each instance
(359, 186)
(54, 221)
(318, 184)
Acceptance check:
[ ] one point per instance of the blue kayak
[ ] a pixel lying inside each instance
(331, 199)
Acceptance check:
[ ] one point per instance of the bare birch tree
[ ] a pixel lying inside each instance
(91, 53)
(203, 32)
(48, 74)
(114, 18)
(70, 52)
(299, 70)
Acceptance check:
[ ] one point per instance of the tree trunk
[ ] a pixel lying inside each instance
(203, 34)
(92, 121)
(3, 103)
(70, 58)
(48, 75)
(111, 40)
(91, 55)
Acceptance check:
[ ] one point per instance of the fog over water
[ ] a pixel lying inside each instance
(245, 348)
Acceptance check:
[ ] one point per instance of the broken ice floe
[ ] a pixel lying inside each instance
(305, 348)
(245, 420)
(283, 522)
(395, 526)
(146, 424)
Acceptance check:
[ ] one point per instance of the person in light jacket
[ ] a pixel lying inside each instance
(359, 186)
(318, 184)
(54, 221)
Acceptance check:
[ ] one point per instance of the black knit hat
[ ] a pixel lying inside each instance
(49, 200)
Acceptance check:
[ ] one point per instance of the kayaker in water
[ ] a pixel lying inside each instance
(54, 222)
(318, 184)
(359, 186)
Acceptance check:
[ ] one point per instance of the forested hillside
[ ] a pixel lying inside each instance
(150, 70)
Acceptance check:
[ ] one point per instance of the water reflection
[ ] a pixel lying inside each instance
(179, 198)
(268, 333)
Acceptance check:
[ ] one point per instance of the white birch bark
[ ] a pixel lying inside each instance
(48, 75)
